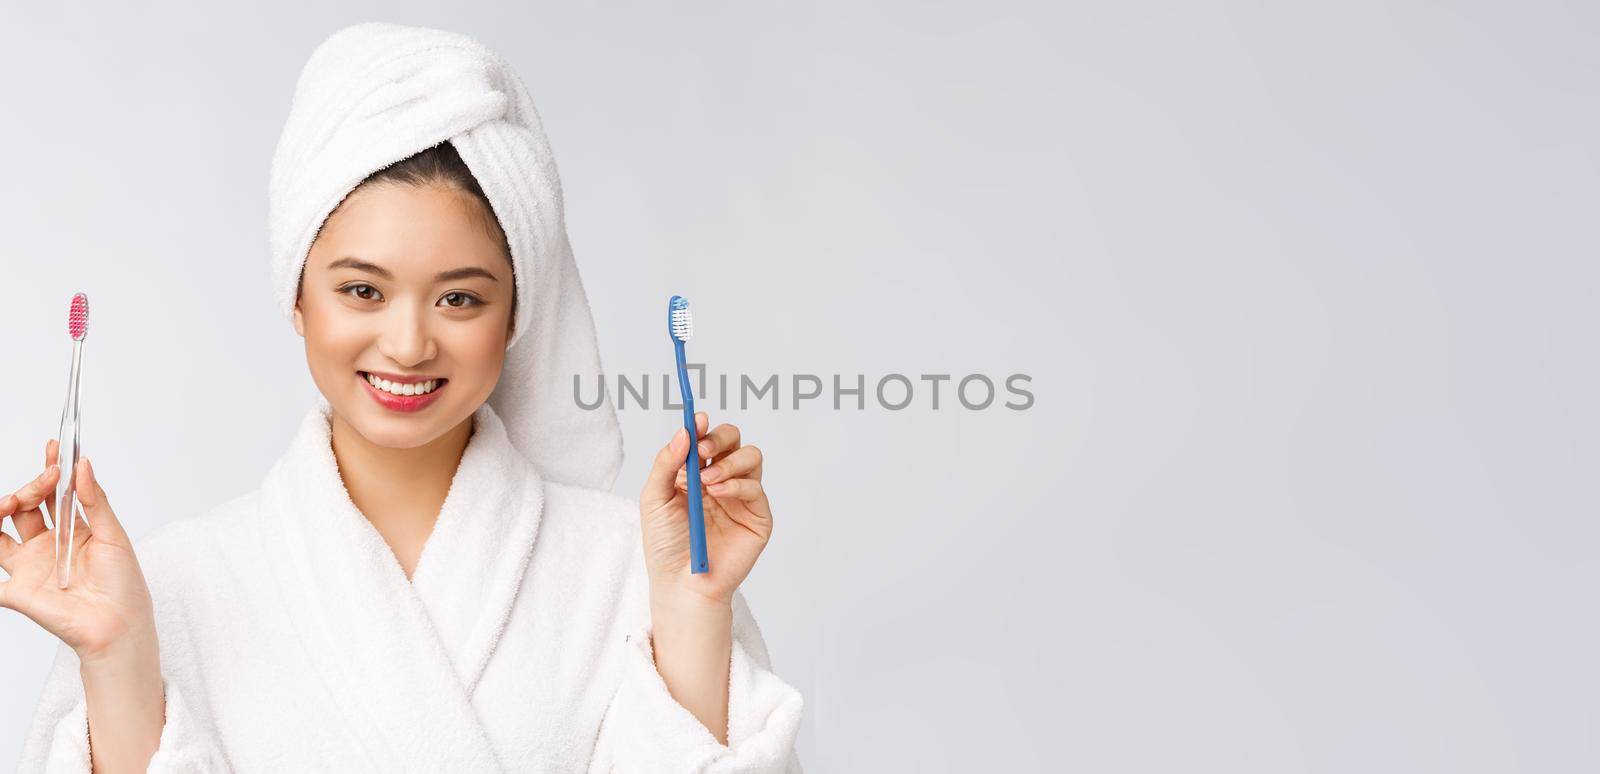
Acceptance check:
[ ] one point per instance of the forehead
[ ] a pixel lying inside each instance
(410, 230)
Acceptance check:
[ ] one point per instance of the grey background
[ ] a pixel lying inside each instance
(1306, 291)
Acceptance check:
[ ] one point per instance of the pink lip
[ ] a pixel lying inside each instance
(394, 402)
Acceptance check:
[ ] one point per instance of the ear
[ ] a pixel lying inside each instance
(299, 320)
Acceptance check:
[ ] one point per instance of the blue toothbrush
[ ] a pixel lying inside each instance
(681, 326)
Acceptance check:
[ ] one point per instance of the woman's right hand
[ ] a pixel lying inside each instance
(107, 610)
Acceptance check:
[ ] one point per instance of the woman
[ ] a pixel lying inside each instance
(419, 584)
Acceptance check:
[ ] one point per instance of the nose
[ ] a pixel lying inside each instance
(406, 337)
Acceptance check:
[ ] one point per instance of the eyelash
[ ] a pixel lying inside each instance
(470, 302)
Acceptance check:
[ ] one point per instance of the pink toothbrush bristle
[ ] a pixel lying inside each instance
(78, 317)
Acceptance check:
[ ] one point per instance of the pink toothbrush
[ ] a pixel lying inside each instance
(67, 443)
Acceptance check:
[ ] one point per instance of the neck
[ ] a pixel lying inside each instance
(399, 490)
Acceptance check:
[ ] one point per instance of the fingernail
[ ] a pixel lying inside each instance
(705, 450)
(717, 488)
(711, 474)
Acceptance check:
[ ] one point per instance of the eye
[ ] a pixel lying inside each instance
(463, 300)
(370, 294)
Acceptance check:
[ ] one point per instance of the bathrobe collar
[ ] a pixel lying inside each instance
(402, 658)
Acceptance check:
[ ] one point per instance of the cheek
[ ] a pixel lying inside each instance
(479, 348)
(334, 340)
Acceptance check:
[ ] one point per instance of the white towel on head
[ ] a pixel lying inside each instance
(373, 94)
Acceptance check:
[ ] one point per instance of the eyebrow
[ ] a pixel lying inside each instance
(443, 276)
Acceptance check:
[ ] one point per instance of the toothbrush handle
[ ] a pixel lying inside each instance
(698, 562)
(67, 458)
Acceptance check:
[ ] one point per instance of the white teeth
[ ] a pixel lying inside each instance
(415, 388)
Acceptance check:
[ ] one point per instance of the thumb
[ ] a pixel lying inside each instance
(102, 520)
(660, 486)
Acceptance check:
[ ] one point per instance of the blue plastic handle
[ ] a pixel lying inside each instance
(698, 562)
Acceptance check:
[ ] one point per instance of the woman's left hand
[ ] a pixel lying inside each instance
(738, 518)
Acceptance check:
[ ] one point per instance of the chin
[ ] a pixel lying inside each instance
(400, 429)
(396, 433)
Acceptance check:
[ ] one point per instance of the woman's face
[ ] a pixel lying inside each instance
(409, 283)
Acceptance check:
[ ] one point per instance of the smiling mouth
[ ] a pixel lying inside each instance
(403, 389)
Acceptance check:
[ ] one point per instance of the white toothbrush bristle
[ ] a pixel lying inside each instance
(682, 324)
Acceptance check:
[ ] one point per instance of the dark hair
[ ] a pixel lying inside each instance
(442, 165)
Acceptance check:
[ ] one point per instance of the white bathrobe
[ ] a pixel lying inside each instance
(291, 640)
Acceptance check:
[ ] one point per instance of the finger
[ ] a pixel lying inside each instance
(49, 506)
(38, 490)
(746, 490)
(722, 439)
(13, 597)
(725, 440)
(96, 507)
(682, 481)
(726, 510)
(8, 546)
(743, 462)
(84, 531)
(658, 490)
(29, 522)
(14, 601)
(702, 420)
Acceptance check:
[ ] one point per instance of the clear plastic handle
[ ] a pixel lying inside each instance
(65, 502)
